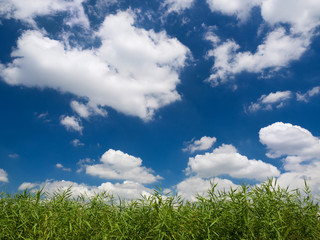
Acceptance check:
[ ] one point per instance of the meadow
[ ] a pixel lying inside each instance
(263, 211)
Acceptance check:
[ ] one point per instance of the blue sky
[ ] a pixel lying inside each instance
(123, 96)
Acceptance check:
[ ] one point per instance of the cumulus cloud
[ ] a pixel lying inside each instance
(300, 151)
(178, 5)
(305, 97)
(302, 15)
(203, 143)
(192, 186)
(225, 160)
(266, 102)
(134, 71)
(119, 165)
(60, 166)
(3, 176)
(71, 123)
(27, 10)
(125, 190)
(277, 50)
(239, 8)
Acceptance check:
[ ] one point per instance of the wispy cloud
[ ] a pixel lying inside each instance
(203, 143)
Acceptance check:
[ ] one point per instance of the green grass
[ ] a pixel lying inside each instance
(259, 212)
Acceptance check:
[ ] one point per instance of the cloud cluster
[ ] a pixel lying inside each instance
(3, 176)
(134, 71)
(118, 165)
(192, 186)
(28, 10)
(277, 50)
(125, 190)
(300, 151)
(203, 143)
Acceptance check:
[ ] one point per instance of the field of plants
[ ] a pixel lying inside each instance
(258, 212)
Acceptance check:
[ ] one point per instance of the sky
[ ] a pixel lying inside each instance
(125, 96)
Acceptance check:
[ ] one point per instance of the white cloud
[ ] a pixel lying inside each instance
(277, 50)
(302, 15)
(119, 165)
(301, 152)
(60, 166)
(27, 10)
(192, 186)
(203, 143)
(305, 97)
(266, 102)
(134, 71)
(85, 111)
(71, 123)
(178, 5)
(77, 143)
(125, 190)
(27, 185)
(287, 139)
(239, 8)
(3, 176)
(225, 160)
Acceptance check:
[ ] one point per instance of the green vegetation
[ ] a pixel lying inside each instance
(259, 212)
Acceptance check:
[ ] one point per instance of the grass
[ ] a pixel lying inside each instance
(260, 212)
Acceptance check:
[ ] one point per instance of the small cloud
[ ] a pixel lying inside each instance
(85, 110)
(203, 144)
(306, 96)
(77, 143)
(266, 102)
(43, 116)
(71, 123)
(82, 163)
(3, 176)
(13, 156)
(60, 166)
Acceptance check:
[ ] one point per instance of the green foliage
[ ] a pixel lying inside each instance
(263, 211)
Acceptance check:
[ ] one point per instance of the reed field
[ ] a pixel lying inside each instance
(263, 211)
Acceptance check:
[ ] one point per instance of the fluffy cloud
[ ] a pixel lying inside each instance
(286, 139)
(266, 102)
(277, 50)
(302, 15)
(27, 10)
(71, 123)
(239, 8)
(300, 151)
(225, 160)
(119, 165)
(192, 186)
(178, 5)
(125, 190)
(60, 166)
(305, 97)
(203, 143)
(134, 71)
(3, 176)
